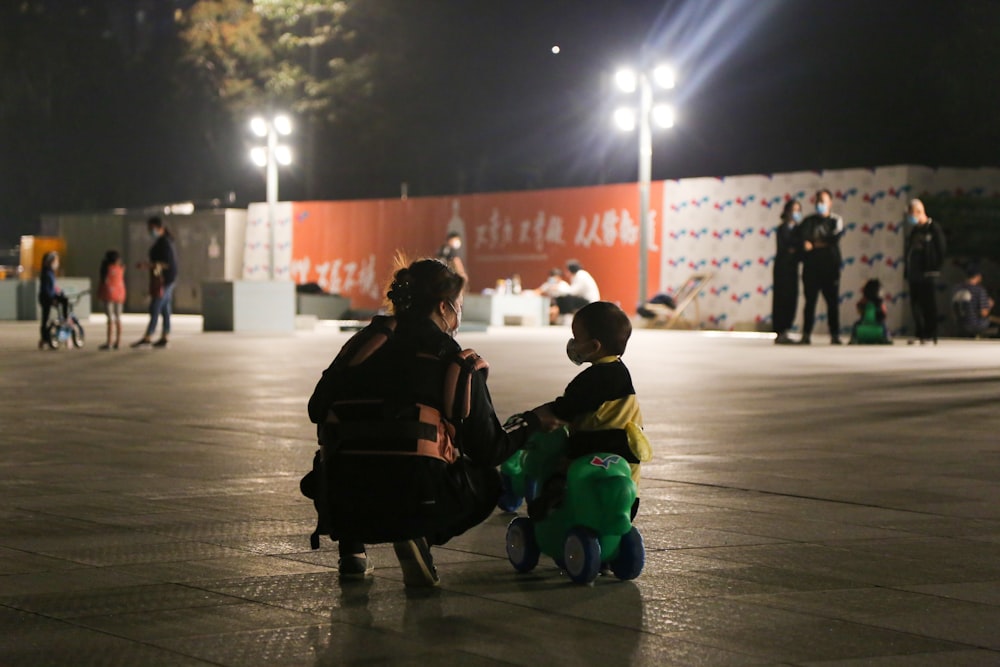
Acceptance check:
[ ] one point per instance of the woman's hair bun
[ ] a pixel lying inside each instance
(401, 292)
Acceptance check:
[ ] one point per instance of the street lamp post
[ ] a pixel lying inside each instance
(626, 118)
(270, 156)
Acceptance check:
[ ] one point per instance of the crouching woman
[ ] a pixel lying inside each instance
(409, 440)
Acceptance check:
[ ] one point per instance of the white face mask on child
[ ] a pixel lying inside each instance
(572, 352)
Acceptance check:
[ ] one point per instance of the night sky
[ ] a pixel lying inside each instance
(484, 104)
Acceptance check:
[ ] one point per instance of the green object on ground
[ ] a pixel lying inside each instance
(597, 494)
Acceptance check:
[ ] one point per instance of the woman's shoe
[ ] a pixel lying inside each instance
(417, 564)
(104, 347)
(160, 343)
(356, 566)
(142, 342)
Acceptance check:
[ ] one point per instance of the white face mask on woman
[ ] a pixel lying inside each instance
(458, 319)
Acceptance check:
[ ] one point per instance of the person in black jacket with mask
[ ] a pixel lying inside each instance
(398, 464)
(786, 272)
(163, 269)
(925, 251)
(819, 240)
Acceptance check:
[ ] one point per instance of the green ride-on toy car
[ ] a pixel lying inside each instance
(581, 518)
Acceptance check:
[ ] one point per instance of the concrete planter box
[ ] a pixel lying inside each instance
(497, 310)
(248, 305)
(8, 299)
(26, 297)
(323, 306)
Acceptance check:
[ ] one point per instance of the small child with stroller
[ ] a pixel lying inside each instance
(112, 293)
(599, 405)
(49, 294)
(871, 328)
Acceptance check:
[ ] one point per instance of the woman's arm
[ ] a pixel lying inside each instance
(482, 438)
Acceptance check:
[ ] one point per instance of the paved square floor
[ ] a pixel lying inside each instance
(806, 506)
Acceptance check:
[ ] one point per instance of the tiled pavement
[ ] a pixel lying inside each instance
(807, 506)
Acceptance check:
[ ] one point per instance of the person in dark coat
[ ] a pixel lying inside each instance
(925, 251)
(819, 240)
(785, 294)
(163, 270)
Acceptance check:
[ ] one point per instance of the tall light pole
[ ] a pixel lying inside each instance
(271, 156)
(626, 118)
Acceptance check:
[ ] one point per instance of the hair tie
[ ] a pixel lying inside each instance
(401, 295)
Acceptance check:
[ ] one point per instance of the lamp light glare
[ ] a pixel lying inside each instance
(663, 115)
(283, 154)
(555, 49)
(258, 126)
(625, 119)
(626, 80)
(259, 156)
(664, 77)
(181, 208)
(283, 124)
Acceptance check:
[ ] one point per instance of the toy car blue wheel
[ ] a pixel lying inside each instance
(522, 549)
(631, 556)
(509, 501)
(582, 555)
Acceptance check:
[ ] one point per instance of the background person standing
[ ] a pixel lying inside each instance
(925, 251)
(451, 253)
(112, 293)
(50, 294)
(162, 267)
(819, 237)
(785, 295)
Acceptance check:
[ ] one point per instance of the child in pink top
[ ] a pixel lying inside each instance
(112, 293)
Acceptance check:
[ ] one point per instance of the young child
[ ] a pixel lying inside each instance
(599, 404)
(112, 293)
(871, 328)
(49, 293)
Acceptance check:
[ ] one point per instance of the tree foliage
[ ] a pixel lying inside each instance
(302, 55)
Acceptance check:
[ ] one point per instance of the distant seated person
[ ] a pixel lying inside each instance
(582, 290)
(660, 305)
(972, 304)
(871, 328)
(553, 287)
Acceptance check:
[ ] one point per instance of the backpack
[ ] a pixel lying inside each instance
(394, 463)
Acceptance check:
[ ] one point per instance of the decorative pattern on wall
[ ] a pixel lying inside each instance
(726, 225)
(257, 246)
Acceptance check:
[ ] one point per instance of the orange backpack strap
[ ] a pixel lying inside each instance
(380, 330)
(458, 384)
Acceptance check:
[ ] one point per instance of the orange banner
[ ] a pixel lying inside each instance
(347, 247)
